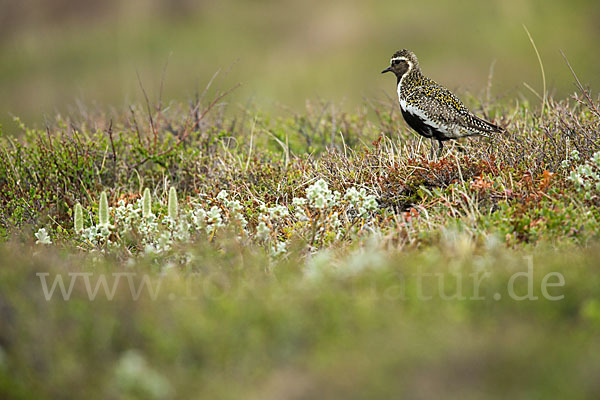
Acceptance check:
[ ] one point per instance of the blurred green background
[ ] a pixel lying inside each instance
(57, 54)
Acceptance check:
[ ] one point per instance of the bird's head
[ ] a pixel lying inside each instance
(402, 62)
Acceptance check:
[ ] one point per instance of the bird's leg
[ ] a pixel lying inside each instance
(440, 148)
(459, 147)
(431, 152)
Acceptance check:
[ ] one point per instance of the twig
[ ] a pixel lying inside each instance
(162, 81)
(209, 84)
(333, 126)
(251, 142)
(114, 153)
(154, 132)
(586, 94)
(189, 130)
(488, 89)
(533, 91)
(49, 138)
(135, 124)
(159, 107)
(541, 68)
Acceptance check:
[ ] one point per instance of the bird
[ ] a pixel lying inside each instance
(429, 108)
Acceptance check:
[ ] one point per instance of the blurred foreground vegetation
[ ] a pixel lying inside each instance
(235, 325)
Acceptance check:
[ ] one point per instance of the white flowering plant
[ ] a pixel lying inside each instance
(585, 176)
(133, 225)
(326, 215)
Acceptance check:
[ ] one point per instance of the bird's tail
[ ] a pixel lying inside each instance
(485, 127)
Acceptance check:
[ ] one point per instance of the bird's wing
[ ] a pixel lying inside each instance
(441, 105)
(482, 125)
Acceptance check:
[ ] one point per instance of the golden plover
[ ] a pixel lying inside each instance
(430, 109)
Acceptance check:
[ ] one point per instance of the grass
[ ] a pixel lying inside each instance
(240, 272)
(504, 181)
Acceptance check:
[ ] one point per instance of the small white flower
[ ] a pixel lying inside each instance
(585, 170)
(320, 196)
(183, 231)
(335, 222)
(210, 229)
(320, 202)
(222, 196)
(359, 199)
(370, 203)
(199, 218)
(352, 194)
(574, 155)
(300, 214)
(214, 216)
(234, 206)
(279, 249)
(278, 211)
(164, 241)
(299, 201)
(262, 230)
(575, 178)
(335, 198)
(42, 237)
(150, 249)
(242, 221)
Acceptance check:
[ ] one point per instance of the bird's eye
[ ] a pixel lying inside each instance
(395, 62)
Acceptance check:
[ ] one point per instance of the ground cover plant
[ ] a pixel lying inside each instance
(314, 172)
(181, 251)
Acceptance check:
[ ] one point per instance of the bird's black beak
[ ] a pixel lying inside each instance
(388, 69)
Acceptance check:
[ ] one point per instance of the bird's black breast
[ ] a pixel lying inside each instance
(422, 128)
(419, 125)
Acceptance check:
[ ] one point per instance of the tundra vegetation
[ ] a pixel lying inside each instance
(186, 251)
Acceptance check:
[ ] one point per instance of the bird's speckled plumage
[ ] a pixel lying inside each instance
(431, 109)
